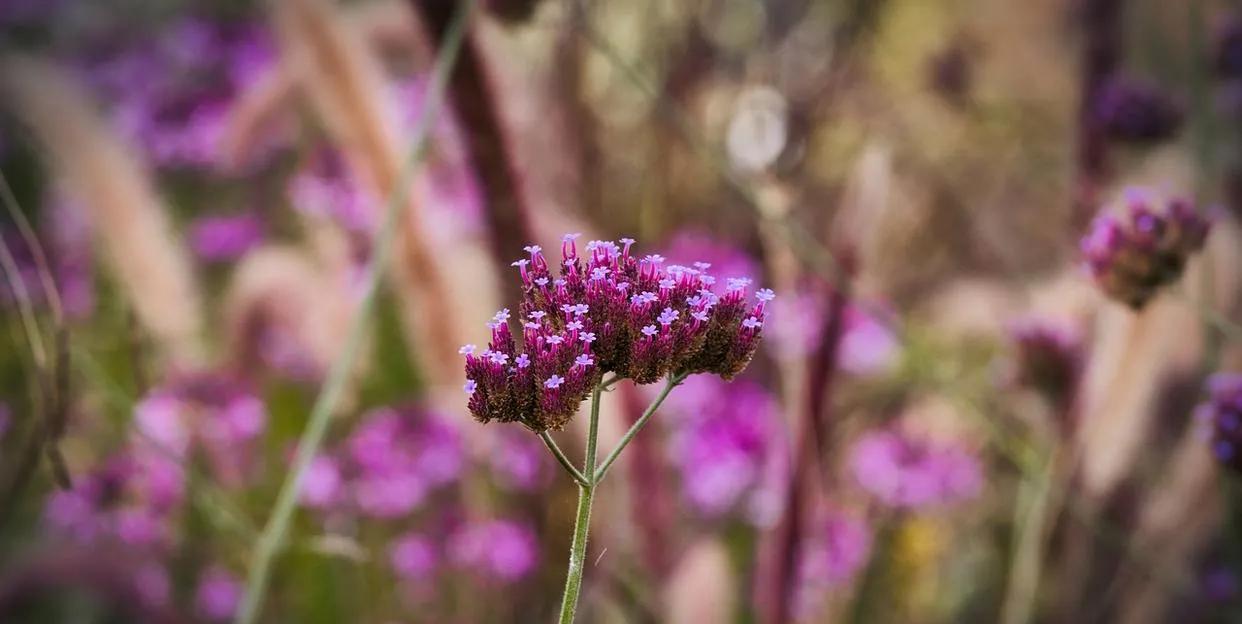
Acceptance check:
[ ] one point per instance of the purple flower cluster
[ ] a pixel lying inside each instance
(497, 550)
(830, 558)
(125, 500)
(906, 473)
(728, 445)
(217, 414)
(1222, 413)
(609, 311)
(389, 465)
(220, 238)
(172, 92)
(1131, 259)
(218, 595)
(1048, 358)
(1133, 111)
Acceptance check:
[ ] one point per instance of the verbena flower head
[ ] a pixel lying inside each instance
(1134, 111)
(608, 311)
(1048, 357)
(1222, 413)
(1131, 258)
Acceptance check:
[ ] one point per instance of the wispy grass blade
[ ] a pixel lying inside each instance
(275, 531)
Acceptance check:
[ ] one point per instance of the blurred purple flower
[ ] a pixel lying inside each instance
(518, 461)
(395, 458)
(837, 549)
(220, 238)
(323, 187)
(725, 259)
(413, 557)
(215, 411)
(1228, 50)
(65, 240)
(1222, 415)
(1220, 584)
(452, 187)
(501, 550)
(1135, 111)
(153, 585)
(111, 503)
(1048, 357)
(914, 474)
(1131, 258)
(868, 346)
(218, 595)
(726, 440)
(172, 91)
(322, 488)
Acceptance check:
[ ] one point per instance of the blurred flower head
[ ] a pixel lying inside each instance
(1048, 357)
(172, 92)
(1222, 414)
(221, 238)
(1132, 257)
(498, 550)
(903, 472)
(413, 557)
(831, 556)
(609, 312)
(218, 413)
(727, 440)
(1133, 111)
(117, 502)
(218, 595)
(396, 457)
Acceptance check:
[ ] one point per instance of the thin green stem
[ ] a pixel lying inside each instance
(673, 381)
(274, 532)
(573, 471)
(582, 521)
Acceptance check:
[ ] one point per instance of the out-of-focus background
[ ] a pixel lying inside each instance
(948, 420)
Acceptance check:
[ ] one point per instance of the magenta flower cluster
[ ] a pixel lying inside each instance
(1222, 412)
(904, 472)
(1048, 358)
(1131, 259)
(607, 311)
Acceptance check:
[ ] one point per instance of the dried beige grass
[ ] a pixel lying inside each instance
(284, 287)
(128, 217)
(347, 89)
(702, 588)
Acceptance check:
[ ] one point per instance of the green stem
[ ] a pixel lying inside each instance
(573, 471)
(673, 381)
(582, 521)
(274, 532)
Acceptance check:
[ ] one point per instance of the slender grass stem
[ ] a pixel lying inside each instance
(673, 381)
(274, 532)
(569, 467)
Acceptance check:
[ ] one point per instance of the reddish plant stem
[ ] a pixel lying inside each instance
(778, 570)
(652, 510)
(473, 97)
(1101, 55)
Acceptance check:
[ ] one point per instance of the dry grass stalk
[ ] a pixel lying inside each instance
(110, 181)
(346, 86)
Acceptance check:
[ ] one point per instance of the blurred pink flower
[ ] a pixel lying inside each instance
(726, 441)
(830, 557)
(518, 461)
(322, 487)
(396, 457)
(220, 238)
(413, 557)
(501, 550)
(218, 595)
(902, 472)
